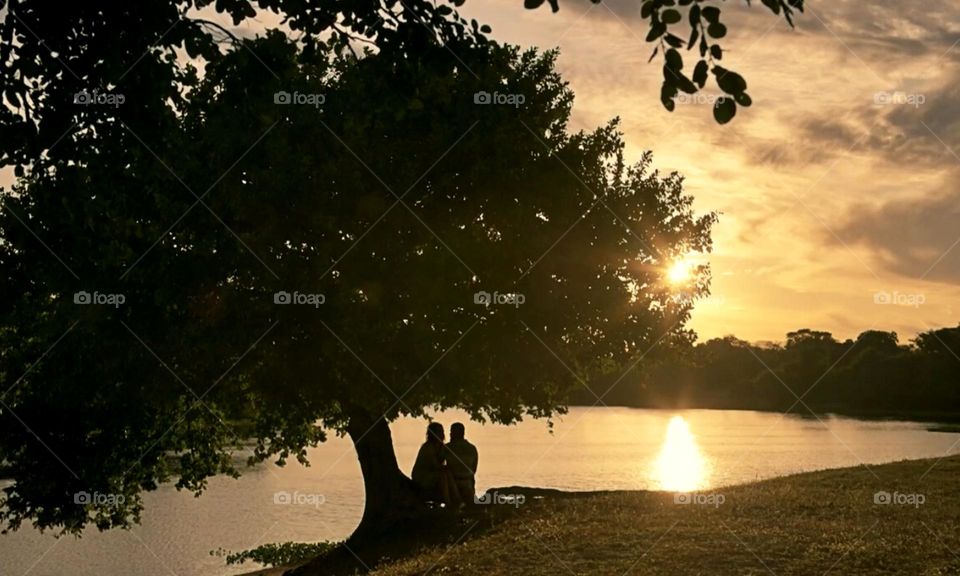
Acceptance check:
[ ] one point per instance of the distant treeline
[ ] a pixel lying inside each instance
(873, 375)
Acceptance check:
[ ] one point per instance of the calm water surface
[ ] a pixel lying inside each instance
(590, 448)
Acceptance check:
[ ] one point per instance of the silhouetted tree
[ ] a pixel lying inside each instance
(882, 342)
(52, 51)
(872, 375)
(385, 209)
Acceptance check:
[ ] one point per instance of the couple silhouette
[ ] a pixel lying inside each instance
(445, 473)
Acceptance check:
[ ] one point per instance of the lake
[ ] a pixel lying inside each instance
(589, 449)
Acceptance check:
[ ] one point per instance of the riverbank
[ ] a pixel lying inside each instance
(898, 518)
(947, 419)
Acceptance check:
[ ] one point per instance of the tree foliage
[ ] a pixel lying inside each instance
(51, 52)
(871, 375)
(299, 243)
(697, 27)
(276, 554)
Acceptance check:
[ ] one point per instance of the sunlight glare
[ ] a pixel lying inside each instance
(681, 271)
(680, 466)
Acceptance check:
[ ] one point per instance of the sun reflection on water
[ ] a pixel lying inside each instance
(680, 467)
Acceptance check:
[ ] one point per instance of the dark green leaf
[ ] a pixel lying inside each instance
(694, 36)
(685, 85)
(724, 110)
(656, 31)
(667, 93)
(674, 60)
(711, 13)
(717, 30)
(700, 73)
(670, 16)
(729, 81)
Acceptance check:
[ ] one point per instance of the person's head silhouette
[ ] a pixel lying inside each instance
(435, 432)
(456, 431)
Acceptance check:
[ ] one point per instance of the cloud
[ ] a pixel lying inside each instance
(843, 60)
(916, 238)
(881, 30)
(827, 196)
(907, 127)
(876, 29)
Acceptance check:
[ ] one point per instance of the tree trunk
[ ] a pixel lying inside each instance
(390, 496)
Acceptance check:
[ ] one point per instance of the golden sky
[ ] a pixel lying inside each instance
(830, 193)
(831, 196)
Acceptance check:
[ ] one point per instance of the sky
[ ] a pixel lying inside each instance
(838, 188)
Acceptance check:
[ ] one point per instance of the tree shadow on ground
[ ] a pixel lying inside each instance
(434, 528)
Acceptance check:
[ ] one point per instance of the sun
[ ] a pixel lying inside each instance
(680, 272)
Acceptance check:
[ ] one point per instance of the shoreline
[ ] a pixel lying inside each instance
(946, 418)
(799, 523)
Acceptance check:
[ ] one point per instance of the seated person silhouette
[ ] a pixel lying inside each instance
(462, 462)
(430, 475)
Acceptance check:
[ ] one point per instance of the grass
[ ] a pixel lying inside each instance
(815, 523)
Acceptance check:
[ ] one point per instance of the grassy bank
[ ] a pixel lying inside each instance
(816, 523)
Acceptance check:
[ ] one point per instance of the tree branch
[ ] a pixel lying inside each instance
(210, 23)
